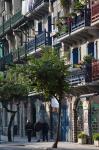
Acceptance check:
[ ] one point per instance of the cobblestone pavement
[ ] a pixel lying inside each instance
(46, 145)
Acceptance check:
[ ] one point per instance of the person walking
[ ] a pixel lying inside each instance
(45, 128)
(38, 128)
(29, 130)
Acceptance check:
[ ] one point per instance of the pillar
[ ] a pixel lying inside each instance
(17, 36)
(16, 5)
(29, 109)
(11, 41)
(86, 119)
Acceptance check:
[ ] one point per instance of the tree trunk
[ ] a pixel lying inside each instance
(10, 125)
(58, 128)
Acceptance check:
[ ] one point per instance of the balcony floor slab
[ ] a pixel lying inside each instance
(39, 12)
(79, 36)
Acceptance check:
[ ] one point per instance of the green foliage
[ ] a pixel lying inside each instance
(88, 59)
(14, 85)
(79, 4)
(65, 3)
(96, 136)
(82, 135)
(11, 91)
(48, 73)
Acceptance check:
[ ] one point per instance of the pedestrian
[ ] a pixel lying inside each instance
(38, 128)
(29, 129)
(45, 128)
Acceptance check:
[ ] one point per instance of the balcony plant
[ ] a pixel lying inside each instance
(62, 26)
(65, 3)
(96, 139)
(88, 59)
(82, 138)
(78, 5)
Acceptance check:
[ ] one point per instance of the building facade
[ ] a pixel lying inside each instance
(29, 24)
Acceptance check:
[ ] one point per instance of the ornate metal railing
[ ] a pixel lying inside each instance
(11, 22)
(73, 24)
(31, 46)
(95, 12)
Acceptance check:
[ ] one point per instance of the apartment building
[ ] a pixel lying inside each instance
(29, 24)
(25, 27)
(76, 35)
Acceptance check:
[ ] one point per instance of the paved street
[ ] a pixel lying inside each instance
(46, 145)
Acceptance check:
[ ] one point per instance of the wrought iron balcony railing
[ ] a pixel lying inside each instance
(82, 20)
(76, 77)
(37, 3)
(39, 40)
(11, 22)
(32, 45)
(73, 24)
(95, 12)
(38, 8)
(92, 71)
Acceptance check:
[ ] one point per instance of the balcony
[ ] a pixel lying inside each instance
(88, 73)
(32, 46)
(79, 29)
(6, 60)
(92, 71)
(11, 23)
(95, 13)
(76, 77)
(38, 9)
(40, 40)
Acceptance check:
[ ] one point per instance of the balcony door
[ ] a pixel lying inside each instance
(75, 55)
(49, 30)
(91, 48)
(39, 27)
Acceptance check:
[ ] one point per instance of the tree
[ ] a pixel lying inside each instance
(48, 75)
(13, 88)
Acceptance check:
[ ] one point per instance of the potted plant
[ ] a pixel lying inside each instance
(96, 139)
(82, 138)
(88, 59)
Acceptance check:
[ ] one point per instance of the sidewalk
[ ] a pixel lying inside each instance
(20, 141)
(16, 139)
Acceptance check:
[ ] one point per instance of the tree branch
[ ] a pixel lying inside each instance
(8, 110)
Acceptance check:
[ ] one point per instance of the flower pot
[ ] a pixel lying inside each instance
(96, 143)
(82, 140)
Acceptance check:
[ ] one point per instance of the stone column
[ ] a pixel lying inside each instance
(21, 120)
(29, 109)
(7, 10)
(70, 112)
(17, 36)
(37, 104)
(16, 5)
(86, 119)
(11, 41)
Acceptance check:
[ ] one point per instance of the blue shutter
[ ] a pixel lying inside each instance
(49, 30)
(75, 55)
(1, 51)
(64, 124)
(39, 27)
(91, 48)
